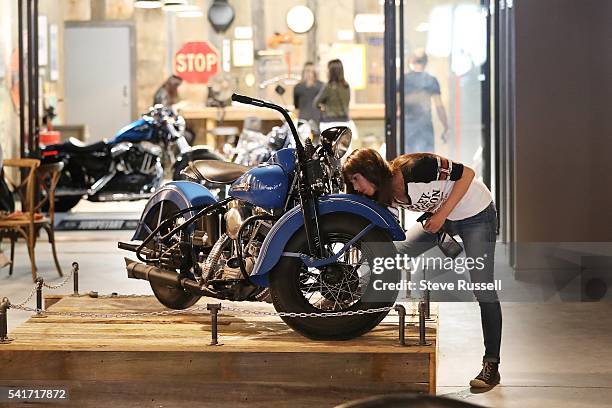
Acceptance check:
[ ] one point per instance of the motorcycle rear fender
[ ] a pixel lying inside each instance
(282, 231)
(184, 194)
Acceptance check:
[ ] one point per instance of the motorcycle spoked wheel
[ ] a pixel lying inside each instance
(173, 297)
(296, 288)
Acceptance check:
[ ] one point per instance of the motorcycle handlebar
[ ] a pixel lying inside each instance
(263, 104)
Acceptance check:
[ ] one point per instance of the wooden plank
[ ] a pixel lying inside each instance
(168, 359)
(185, 331)
(85, 394)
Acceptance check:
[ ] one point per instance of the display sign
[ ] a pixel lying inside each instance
(353, 57)
(196, 62)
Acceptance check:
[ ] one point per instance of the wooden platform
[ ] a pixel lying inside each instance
(164, 360)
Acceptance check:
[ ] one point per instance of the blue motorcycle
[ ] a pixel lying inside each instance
(284, 234)
(128, 167)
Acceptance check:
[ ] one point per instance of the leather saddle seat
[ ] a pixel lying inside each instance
(215, 171)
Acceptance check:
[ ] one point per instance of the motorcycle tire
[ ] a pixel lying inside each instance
(173, 297)
(66, 203)
(287, 277)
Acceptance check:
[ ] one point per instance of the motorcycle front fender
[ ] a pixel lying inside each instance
(282, 231)
(183, 194)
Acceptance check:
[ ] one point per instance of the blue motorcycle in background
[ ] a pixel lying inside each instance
(128, 167)
(284, 234)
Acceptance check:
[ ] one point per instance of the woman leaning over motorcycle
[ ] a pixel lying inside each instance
(461, 205)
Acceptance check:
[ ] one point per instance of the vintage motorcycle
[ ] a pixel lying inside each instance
(284, 233)
(128, 167)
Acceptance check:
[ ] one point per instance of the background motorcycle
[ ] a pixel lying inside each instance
(254, 147)
(284, 232)
(129, 167)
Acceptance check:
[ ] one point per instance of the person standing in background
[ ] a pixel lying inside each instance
(420, 90)
(333, 99)
(167, 93)
(304, 94)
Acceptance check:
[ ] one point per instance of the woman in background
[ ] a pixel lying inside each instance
(305, 93)
(333, 100)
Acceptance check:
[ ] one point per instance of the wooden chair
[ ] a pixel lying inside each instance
(40, 181)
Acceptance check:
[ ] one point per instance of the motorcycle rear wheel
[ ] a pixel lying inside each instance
(173, 297)
(66, 203)
(290, 278)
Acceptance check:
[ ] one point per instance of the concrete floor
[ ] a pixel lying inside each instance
(553, 354)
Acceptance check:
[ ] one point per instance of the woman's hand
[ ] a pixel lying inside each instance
(435, 222)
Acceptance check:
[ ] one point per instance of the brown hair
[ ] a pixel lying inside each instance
(171, 85)
(336, 73)
(407, 161)
(370, 164)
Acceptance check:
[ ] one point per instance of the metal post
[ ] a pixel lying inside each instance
(75, 278)
(39, 298)
(4, 306)
(426, 296)
(422, 341)
(214, 310)
(22, 97)
(427, 303)
(30, 86)
(401, 311)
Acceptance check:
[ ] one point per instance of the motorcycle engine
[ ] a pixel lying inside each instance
(137, 158)
(221, 268)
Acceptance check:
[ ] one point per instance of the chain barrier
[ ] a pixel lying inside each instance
(53, 287)
(212, 309)
(193, 309)
(30, 296)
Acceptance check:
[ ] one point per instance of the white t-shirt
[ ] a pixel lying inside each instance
(427, 192)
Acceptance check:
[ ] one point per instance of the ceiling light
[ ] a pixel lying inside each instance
(190, 12)
(176, 5)
(148, 4)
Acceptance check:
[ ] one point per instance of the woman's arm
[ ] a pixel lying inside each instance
(460, 187)
(321, 97)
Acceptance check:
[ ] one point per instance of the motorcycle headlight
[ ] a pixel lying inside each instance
(342, 144)
(336, 140)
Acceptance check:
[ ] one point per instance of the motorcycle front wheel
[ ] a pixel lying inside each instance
(347, 285)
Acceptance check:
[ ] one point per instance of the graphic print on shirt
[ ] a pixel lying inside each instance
(429, 201)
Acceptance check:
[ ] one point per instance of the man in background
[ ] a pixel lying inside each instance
(420, 90)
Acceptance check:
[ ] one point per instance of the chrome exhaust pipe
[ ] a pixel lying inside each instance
(137, 270)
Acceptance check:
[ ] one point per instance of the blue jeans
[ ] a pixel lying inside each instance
(478, 236)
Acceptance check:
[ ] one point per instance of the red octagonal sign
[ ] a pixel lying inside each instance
(196, 62)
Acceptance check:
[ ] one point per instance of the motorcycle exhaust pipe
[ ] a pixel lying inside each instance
(137, 270)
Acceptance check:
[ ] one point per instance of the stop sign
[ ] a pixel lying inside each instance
(196, 62)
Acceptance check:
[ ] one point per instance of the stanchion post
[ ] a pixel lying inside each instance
(214, 310)
(401, 311)
(4, 306)
(39, 298)
(427, 303)
(75, 278)
(422, 341)
(426, 295)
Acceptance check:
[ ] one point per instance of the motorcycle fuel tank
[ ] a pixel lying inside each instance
(136, 131)
(263, 186)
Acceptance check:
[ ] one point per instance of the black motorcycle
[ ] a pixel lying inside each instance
(128, 167)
